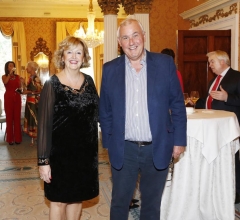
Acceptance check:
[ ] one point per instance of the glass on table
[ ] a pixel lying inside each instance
(186, 98)
(194, 96)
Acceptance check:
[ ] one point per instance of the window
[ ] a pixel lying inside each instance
(5, 55)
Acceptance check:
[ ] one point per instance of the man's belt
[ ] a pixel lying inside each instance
(141, 143)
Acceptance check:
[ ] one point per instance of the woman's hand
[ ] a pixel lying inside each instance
(12, 71)
(45, 173)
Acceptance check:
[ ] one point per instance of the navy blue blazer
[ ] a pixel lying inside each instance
(164, 95)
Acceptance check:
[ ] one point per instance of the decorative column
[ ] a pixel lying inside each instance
(110, 10)
(140, 9)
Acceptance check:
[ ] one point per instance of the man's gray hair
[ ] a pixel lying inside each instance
(128, 21)
(221, 55)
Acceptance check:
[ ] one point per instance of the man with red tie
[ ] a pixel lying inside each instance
(224, 94)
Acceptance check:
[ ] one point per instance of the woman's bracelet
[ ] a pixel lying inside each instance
(42, 162)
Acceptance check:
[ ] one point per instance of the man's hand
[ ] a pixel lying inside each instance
(219, 95)
(177, 150)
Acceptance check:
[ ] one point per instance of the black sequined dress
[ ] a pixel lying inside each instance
(68, 140)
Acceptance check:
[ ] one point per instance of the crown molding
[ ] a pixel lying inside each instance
(207, 7)
(50, 10)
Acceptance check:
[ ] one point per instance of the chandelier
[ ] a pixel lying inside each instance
(92, 37)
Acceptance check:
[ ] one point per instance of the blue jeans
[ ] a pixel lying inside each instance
(137, 160)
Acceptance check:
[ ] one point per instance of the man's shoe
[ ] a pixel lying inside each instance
(11, 143)
(133, 206)
(237, 198)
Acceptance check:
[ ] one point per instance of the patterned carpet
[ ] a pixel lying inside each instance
(21, 190)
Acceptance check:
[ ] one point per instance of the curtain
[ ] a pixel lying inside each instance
(98, 59)
(17, 31)
(97, 66)
(71, 27)
(19, 48)
(60, 32)
(7, 28)
(64, 28)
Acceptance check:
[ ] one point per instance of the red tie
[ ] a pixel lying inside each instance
(209, 102)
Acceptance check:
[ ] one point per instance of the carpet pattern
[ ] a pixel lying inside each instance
(21, 190)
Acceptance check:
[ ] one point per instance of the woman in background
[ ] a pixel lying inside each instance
(171, 53)
(67, 140)
(12, 104)
(33, 90)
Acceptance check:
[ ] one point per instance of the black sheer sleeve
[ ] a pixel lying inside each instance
(45, 122)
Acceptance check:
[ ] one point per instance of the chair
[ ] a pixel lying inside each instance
(2, 120)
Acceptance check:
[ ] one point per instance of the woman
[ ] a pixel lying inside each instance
(171, 53)
(12, 104)
(33, 90)
(67, 140)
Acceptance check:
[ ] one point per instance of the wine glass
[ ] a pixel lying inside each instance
(186, 98)
(194, 96)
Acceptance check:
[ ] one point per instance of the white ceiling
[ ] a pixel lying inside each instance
(50, 8)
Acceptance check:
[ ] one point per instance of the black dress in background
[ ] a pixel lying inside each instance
(68, 136)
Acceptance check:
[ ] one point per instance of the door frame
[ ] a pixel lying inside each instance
(231, 22)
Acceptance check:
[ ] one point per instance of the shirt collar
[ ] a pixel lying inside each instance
(224, 72)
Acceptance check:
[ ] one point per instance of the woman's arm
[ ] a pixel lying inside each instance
(45, 120)
(5, 78)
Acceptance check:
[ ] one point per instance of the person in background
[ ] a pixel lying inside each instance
(225, 96)
(67, 143)
(32, 90)
(141, 136)
(12, 104)
(171, 53)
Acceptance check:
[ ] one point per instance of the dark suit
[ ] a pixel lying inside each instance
(231, 84)
(163, 93)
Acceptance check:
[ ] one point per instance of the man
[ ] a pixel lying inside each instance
(138, 92)
(225, 95)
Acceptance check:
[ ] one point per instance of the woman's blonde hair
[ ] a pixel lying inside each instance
(67, 43)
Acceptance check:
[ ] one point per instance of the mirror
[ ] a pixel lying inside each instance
(42, 56)
(42, 60)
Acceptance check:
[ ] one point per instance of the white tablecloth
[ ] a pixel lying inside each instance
(203, 184)
(214, 129)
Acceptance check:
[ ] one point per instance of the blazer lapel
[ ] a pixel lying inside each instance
(120, 86)
(151, 75)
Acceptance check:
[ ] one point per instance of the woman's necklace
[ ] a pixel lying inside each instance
(75, 91)
(72, 85)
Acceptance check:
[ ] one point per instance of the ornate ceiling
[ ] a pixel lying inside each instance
(50, 8)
